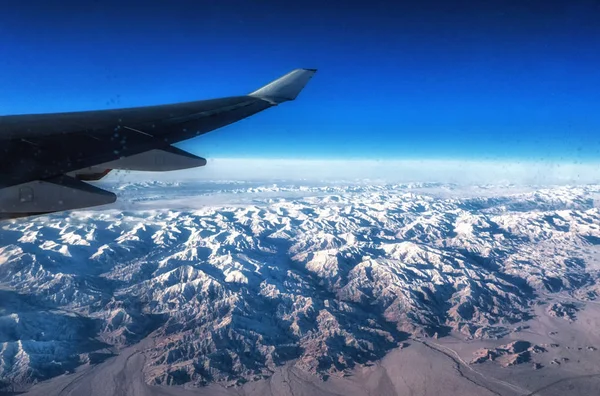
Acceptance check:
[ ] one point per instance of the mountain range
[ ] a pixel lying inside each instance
(231, 280)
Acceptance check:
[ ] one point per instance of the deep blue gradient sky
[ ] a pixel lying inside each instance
(432, 79)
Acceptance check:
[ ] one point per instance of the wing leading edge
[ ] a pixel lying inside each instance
(39, 150)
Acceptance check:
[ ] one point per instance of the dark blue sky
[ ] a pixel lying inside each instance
(434, 79)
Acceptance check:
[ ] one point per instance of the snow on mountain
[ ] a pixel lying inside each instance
(327, 276)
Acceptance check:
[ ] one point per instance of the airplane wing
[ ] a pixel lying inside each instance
(46, 158)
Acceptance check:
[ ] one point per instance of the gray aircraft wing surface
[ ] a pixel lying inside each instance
(47, 159)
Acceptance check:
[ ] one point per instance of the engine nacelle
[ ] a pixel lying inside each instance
(44, 196)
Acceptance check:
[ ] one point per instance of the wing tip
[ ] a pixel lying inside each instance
(285, 88)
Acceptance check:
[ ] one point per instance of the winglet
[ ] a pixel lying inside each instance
(285, 88)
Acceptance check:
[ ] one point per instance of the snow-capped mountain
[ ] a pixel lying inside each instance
(326, 276)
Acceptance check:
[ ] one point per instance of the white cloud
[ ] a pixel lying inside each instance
(445, 171)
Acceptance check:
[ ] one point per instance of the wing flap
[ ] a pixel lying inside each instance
(45, 196)
(157, 160)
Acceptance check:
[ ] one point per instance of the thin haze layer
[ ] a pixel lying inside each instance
(441, 171)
